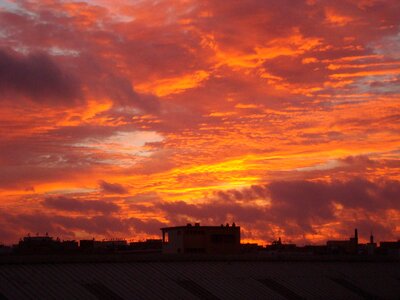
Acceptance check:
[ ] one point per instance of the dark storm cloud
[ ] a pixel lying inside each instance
(112, 188)
(20, 224)
(303, 199)
(71, 204)
(303, 202)
(297, 200)
(248, 194)
(216, 212)
(37, 77)
(295, 206)
(150, 226)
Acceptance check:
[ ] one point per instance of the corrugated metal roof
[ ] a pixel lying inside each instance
(201, 280)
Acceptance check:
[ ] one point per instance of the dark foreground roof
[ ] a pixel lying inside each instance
(201, 280)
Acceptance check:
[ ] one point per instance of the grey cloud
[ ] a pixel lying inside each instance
(37, 77)
(112, 188)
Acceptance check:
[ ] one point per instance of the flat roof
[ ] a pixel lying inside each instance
(199, 227)
(201, 280)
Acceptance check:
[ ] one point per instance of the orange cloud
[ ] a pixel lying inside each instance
(167, 86)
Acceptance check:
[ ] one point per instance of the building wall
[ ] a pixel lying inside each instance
(223, 240)
(202, 239)
(173, 242)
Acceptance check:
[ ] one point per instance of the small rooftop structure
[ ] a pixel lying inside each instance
(44, 244)
(105, 245)
(349, 246)
(201, 239)
(279, 246)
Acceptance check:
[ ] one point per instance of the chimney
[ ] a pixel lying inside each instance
(356, 235)
(371, 238)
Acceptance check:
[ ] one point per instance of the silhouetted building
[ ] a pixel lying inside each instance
(86, 245)
(36, 245)
(390, 248)
(152, 245)
(250, 248)
(201, 239)
(279, 246)
(349, 246)
(70, 245)
(5, 249)
(103, 246)
(44, 245)
(315, 249)
(368, 248)
(217, 240)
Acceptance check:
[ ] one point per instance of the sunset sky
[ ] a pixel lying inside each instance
(121, 117)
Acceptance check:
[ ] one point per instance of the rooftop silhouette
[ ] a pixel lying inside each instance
(195, 239)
